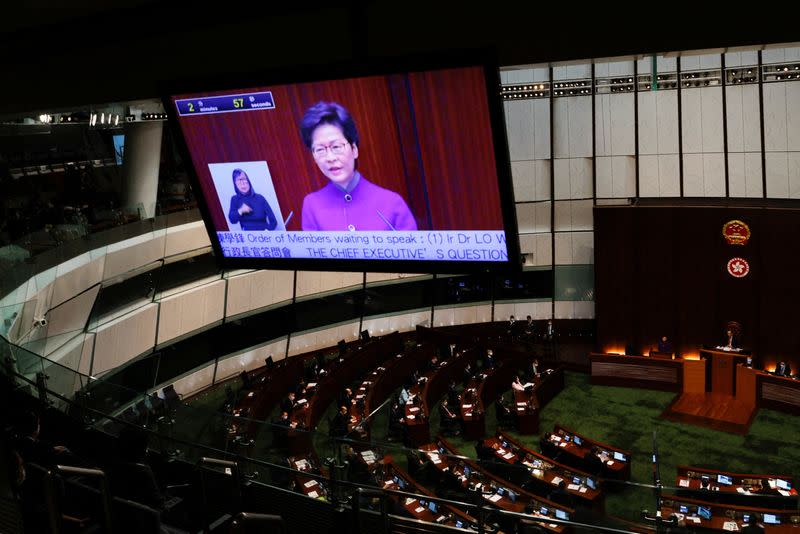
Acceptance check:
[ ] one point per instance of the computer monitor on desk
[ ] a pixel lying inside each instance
(771, 519)
(724, 480)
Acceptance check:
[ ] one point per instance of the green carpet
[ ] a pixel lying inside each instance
(627, 418)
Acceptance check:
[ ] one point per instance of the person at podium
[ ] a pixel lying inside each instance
(731, 343)
(664, 345)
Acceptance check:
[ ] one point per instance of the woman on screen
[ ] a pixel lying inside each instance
(248, 208)
(349, 201)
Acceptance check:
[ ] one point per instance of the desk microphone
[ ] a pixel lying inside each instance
(289, 218)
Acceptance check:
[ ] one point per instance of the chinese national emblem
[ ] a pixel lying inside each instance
(736, 232)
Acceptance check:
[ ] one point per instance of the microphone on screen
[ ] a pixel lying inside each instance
(393, 229)
(289, 218)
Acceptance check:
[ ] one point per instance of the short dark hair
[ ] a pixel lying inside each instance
(328, 113)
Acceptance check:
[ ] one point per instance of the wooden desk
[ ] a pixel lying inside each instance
(308, 486)
(398, 370)
(470, 476)
(577, 455)
(545, 472)
(549, 384)
(426, 395)
(777, 392)
(481, 393)
(741, 489)
(722, 514)
(340, 373)
(267, 388)
(446, 514)
(636, 372)
(723, 369)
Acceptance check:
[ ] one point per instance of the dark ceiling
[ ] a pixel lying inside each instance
(95, 52)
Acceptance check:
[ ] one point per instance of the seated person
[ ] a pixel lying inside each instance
(534, 370)
(396, 421)
(434, 363)
(503, 411)
(488, 360)
(512, 321)
(356, 469)
(131, 477)
(418, 462)
(415, 378)
(484, 452)
(453, 398)
(346, 398)
(283, 420)
(516, 385)
(246, 383)
(783, 369)
(529, 327)
(38, 451)
(448, 418)
(731, 342)
(594, 460)
(468, 372)
(549, 331)
(288, 403)
(664, 345)
(314, 372)
(767, 489)
(340, 422)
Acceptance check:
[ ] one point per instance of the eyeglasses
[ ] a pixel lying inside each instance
(337, 149)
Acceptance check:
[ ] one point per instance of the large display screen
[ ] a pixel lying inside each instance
(405, 171)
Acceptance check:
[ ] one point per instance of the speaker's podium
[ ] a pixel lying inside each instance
(727, 403)
(723, 368)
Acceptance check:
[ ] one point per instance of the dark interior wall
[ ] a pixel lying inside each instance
(663, 271)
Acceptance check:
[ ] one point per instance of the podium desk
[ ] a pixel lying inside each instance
(723, 369)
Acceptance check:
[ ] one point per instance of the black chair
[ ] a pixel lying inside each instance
(133, 518)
